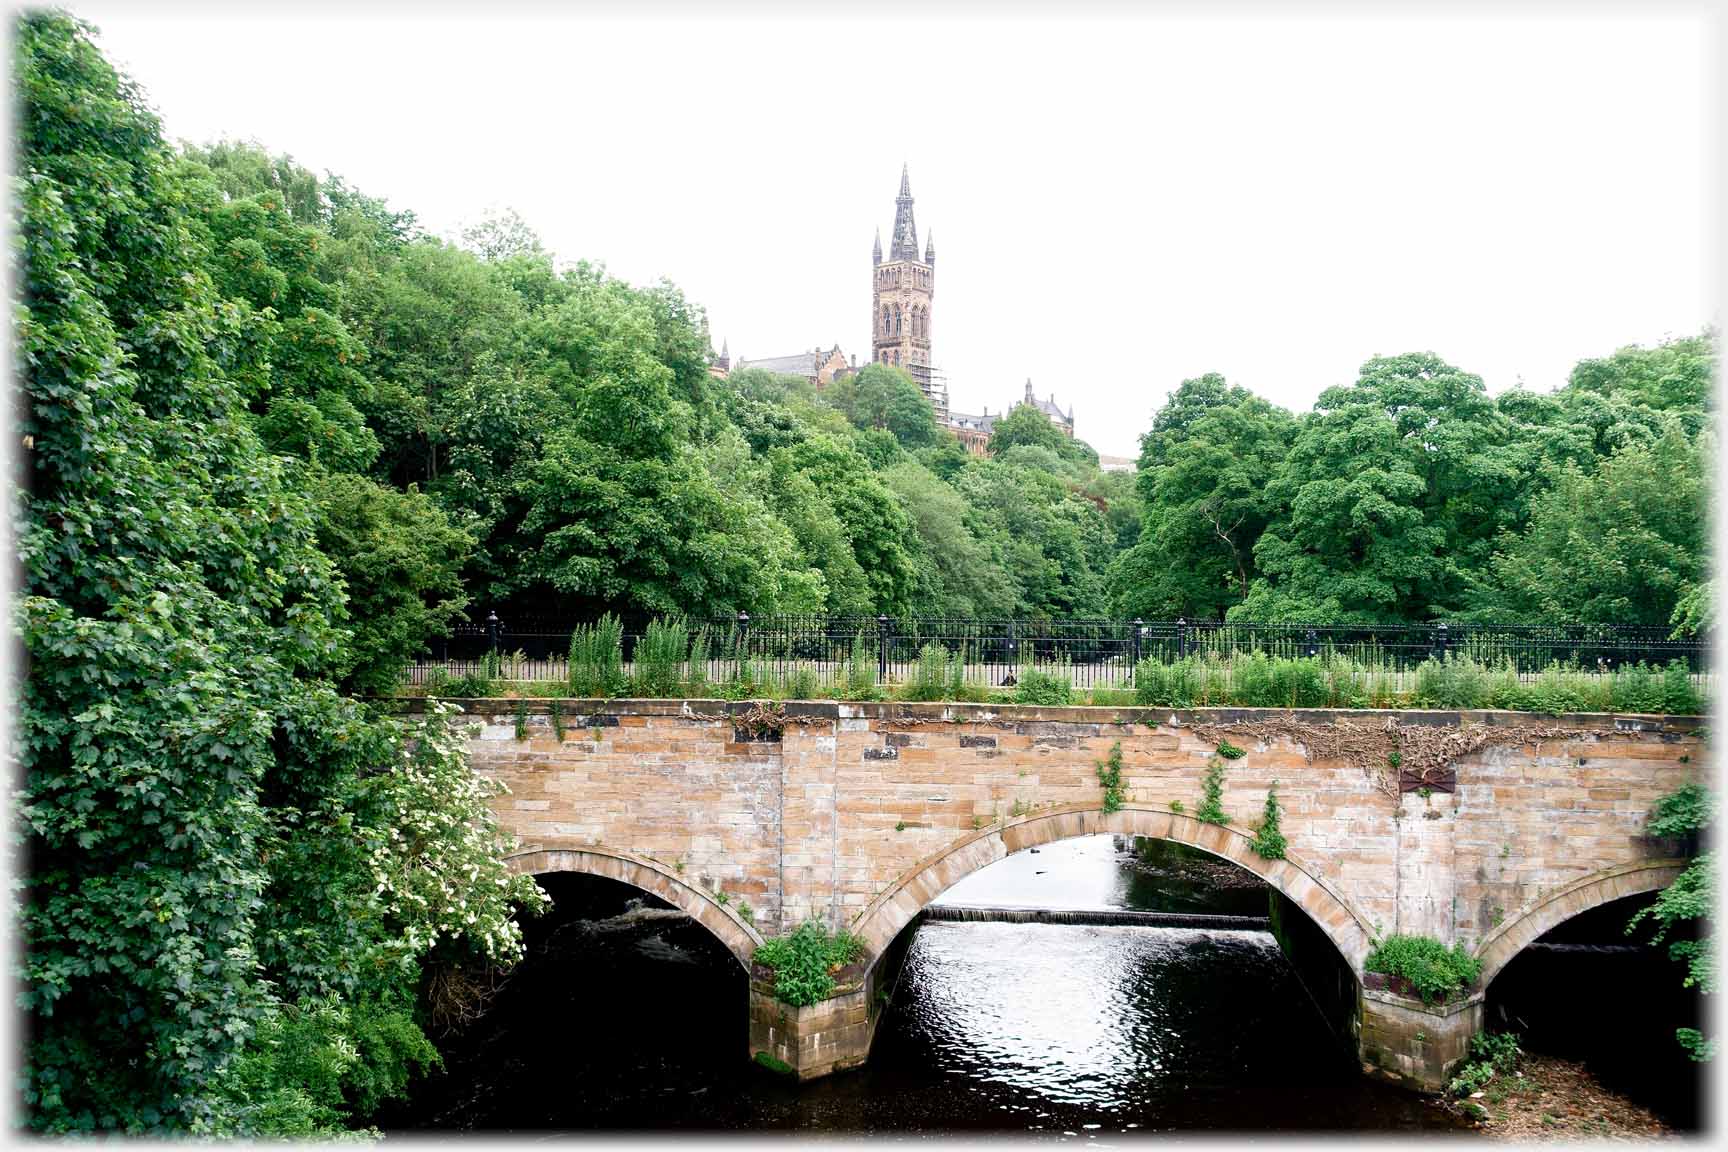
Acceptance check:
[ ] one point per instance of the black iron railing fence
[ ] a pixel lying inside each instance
(1097, 653)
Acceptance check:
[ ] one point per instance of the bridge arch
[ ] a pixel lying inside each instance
(650, 876)
(901, 902)
(1551, 909)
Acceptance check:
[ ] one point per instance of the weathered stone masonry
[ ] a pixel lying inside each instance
(862, 813)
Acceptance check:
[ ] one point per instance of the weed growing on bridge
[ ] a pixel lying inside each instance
(1109, 772)
(1178, 807)
(900, 826)
(555, 712)
(1212, 801)
(1268, 838)
(804, 962)
(1432, 970)
(521, 719)
(745, 912)
(1229, 751)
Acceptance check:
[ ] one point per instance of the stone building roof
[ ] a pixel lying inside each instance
(802, 364)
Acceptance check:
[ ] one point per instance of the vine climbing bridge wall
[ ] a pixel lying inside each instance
(1478, 828)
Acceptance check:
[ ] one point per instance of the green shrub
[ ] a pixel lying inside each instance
(803, 962)
(597, 658)
(860, 678)
(1269, 838)
(1680, 698)
(802, 685)
(930, 675)
(1038, 686)
(659, 657)
(1451, 682)
(1433, 970)
(473, 687)
(1229, 751)
(1491, 1054)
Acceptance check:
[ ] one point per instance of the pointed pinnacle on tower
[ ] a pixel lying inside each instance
(930, 247)
(878, 253)
(904, 245)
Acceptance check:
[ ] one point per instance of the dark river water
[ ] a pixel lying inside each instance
(625, 1018)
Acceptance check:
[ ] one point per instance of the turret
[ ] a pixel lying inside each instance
(930, 247)
(878, 256)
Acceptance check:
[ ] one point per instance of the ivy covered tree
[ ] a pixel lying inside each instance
(207, 824)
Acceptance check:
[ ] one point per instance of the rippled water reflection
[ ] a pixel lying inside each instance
(1054, 1028)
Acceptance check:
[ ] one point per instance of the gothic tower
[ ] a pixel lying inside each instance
(900, 303)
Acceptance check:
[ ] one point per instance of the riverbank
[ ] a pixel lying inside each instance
(1553, 1099)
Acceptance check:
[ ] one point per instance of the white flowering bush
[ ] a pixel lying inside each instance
(437, 855)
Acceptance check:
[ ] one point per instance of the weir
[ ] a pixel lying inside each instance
(1101, 917)
(1479, 829)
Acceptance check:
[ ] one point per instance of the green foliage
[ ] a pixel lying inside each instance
(1178, 807)
(1688, 900)
(521, 719)
(803, 962)
(1203, 475)
(659, 657)
(1229, 751)
(1051, 686)
(1434, 971)
(774, 1063)
(1269, 837)
(1109, 772)
(1211, 810)
(597, 658)
(555, 713)
(1491, 1054)
(860, 672)
(1684, 812)
(931, 677)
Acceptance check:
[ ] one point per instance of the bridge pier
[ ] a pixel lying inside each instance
(1413, 1044)
(818, 1039)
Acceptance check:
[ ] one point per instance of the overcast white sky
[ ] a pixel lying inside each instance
(1120, 201)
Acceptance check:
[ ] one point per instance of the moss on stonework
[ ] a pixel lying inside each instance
(773, 1063)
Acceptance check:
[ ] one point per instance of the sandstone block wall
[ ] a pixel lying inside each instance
(862, 805)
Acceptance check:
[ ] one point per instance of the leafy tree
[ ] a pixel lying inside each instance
(1392, 491)
(1203, 476)
(1025, 424)
(957, 575)
(400, 559)
(1623, 545)
(882, 397)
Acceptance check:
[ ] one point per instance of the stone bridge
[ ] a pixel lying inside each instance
(1480, 828)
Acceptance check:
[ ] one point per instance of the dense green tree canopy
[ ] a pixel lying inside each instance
(213, 832)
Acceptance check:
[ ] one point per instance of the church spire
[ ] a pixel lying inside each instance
(930, 247)
(878, 254)
(905, 243)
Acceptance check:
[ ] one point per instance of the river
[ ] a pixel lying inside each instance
(629, 1019)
